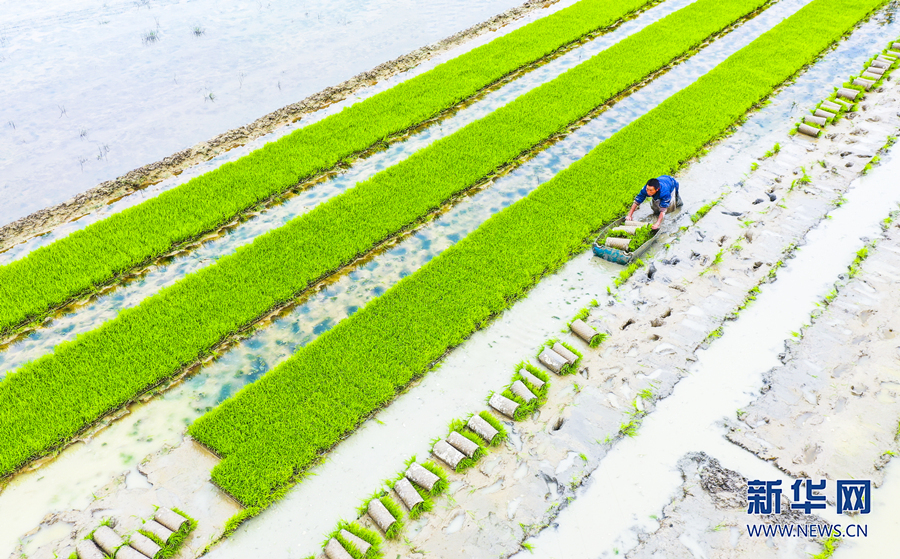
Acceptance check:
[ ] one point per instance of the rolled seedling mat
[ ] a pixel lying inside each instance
(583, 331)
(448, 454)
(880, 64)
(871, 76)
(170, 519)
(570, 357)
(503, 405)
(532, 380)
(86, 549)
(887, 59)
(847, 93)
(629, 223)
(128, 553)
(144, 544)
(462, 444)
(108, 540)
(823, 114)
(381, 515)
(519, 389)
(158, 530)
(815, 120)
(874, 70)
(552, 360)
(896, 46)
(334, 550)
(864, 83)
(360, 544)
(894, 52)
(627, 229)
(809, 130)
(421, 477)
(828, 105)
(617, 242)
(407, 492)
(484, 429)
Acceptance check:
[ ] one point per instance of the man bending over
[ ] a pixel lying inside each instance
(664, 191)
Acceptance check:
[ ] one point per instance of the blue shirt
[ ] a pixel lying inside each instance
(667, 187)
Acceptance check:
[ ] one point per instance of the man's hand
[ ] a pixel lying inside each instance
(628, 217)
(655, 226)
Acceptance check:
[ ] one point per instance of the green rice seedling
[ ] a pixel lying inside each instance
(96, 255)
(496, 424)
(627, 273)
(549, 345)
(150, 343)
(855, 266)
(397, 512)
(459, 426)
(170, 548)
(641, 236)
(443, 483)
(828, 548)
(541, 392)
(392, 506)
(580, 315)
(266, 432)
(426, 505)
(369, 536)
(705, 210)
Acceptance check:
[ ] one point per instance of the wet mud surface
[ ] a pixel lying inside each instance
(137, 179)
(707, 519)
(832, 410)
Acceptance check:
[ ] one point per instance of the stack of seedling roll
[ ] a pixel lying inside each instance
(875, 70)
(159, 537)
(629, 236)
(411, 492)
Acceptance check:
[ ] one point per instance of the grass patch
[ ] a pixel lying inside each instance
(360, 364)
(501, 435)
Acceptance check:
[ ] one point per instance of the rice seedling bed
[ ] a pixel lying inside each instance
(86, 259)
(278, 426)
(153, 341)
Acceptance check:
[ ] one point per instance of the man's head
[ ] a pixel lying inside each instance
(652, 187)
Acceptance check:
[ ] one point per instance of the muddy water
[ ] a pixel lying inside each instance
(103, 88)
(638, 474)
(883, 522)
(67, 326)
(363, 93)
(253, 357)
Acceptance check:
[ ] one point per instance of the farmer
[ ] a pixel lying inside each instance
(664, 191)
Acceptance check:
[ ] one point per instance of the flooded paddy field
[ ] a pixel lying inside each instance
(133, 82)
(550, 486)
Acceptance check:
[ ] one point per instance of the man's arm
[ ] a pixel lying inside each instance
(659, 221)
(634, 207)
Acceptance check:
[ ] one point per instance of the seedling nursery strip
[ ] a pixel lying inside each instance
(48, 401)
(96, 255)
(277, 427)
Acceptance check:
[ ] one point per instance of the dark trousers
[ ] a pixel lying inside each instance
(673, 205)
